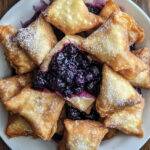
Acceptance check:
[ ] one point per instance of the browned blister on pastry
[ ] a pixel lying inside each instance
(128, 120)
(83, 134)
(135, 32)
(37, 39)
(143, 78)
(18, 59)
(110, 44)
(11, 86)
(71, 16)
(17, 126)
(82, 101)
(40, 108)
(116, 93)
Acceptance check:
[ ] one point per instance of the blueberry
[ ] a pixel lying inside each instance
(40, 80)
(133, 47)
(57, 137)
(93, 9)
(94, 115)
(89, 77)
(73, 113)
(60, 58)
(95, 71)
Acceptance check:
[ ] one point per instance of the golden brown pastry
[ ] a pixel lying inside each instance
(136, 33)
(143, 78)
(128, 120)
(110, 44)
(40, 108)
(18, 59)
(11, 86)
(17, 126)
(71, 16)
(116, 93)
(84, 101)
(37, 39)
(83, 135)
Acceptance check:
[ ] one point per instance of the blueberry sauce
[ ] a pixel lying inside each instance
(93, 9)
(138, 90)
(95, 6)
(38, 10)
(57, 137)
(59, 34)
(75, 114)
(70, 72)
(133, 47)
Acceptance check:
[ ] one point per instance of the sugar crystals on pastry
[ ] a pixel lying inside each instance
(143, 78)
(110, 44)
(18, 59)
(70, 72)
(83, 134)
(116, 93)
(11, 86)
(135, 32)
(71, 16)
(37, 39)
(41, 108)
(128, 120)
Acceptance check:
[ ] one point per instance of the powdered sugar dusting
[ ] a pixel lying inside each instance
(26, 38)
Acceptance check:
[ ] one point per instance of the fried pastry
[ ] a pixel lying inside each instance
(116, 93)
(11, 86)
(40, 108)
(143, 78)
(37, 39)
(81, 135)
(17, 126)
(128, 120)
(136, 33)
(110, 44)
(18, 59)
(83, 101)
(71, 16)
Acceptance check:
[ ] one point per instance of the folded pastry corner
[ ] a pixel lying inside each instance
(143, 78)
(128, 120)
(110, 44)
(83, 134)
(40, 108)
(17, 126)
(71, 16)
(116, 93)
(135, 32)
(37, 39)
(18, 59)
(11, 86)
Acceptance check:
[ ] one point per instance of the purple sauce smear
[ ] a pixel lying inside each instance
(71, 72)
(38, 10)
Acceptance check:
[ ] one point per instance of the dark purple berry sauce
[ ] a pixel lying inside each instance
(38, 10)
(70, 72)
(75, 114)
(95, 6)
(93, 9)
(133, 47)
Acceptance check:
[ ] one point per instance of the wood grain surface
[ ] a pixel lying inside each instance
(4, 6)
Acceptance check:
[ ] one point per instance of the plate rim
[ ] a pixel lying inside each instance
(20, 2)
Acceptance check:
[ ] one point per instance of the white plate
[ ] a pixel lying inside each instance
(23, 11)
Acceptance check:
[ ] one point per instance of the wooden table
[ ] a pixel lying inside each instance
(4, 6)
